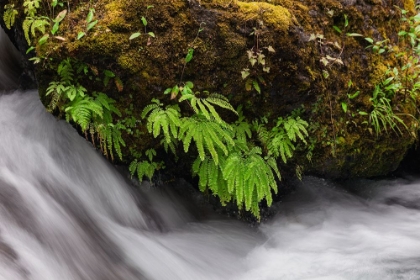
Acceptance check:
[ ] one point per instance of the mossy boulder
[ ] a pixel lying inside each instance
(312, 67)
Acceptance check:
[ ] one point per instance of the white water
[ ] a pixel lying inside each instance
(65, 213)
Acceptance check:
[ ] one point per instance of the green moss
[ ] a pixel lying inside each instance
(114, 16)
(410, 5)
(378, 73)
(276, 16)
(130, 61)
(149, 65)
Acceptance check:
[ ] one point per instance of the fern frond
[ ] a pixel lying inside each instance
(169, 146)
(9, 15)
(196, 166)
(56, 90)
(273, 164)
(204, 105)
(107, 103)
(66, 72)
(133, 167)
(231, 170)
(281, 145)
(117, 140)
(151, 107)
(80, 111)
(26, 25)
(206, 134)
(263, 134)
(159, 119)
(39, 24)
(242, 130)
(31, 7)
(296, 127)
(221, 101)
(203, 175)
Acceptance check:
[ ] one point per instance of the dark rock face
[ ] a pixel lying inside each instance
(9, 62)
(14, 58)
(310, 69)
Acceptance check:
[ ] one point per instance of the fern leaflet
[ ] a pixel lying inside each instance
(207, 135)
(243, 175)
(9, 15)
(159, 119)
(204, 105)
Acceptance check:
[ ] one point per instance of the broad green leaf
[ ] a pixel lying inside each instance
(91, 25)
(256, 86)
(337, 29)
(354, 35)
(80, 35)
(344, 106)
(189, 56)
(55, 27)
(60, 16)
(370, 40)
(43, 39)
(31, 48)
(144, 21)
(245, 73)
(89, 17)
(134, 35)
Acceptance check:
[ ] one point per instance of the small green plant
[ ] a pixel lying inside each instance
(346, 24)
(350, 96)
(327, 60)
(146, 167)
(61, 15)
(90, 23)
(228, 163)
(382, 117)
(252, 76)
(92, 113)
(159, 119)
(280, 140)
(33, 24)
(205, 127)
(400, 83)
(378, 47)
(9, 15)
(244, 176)
(144, 22)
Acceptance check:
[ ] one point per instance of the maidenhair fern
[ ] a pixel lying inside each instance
(280, 140)
(81, 110)
(241, 127)
(146, 167)
(205, 106)
(207, 135)
(109, 136)
(244, 176)
(159, 119)
(9, 15)
(31, 7)
(228, 163)
(32, 22)
(93, 113)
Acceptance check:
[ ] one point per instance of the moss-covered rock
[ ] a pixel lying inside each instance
(312, 65)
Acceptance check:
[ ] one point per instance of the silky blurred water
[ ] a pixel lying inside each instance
(66, 213)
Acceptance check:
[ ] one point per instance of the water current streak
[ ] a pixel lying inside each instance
(66, 213)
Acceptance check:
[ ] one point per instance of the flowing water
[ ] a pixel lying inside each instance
(66, 213)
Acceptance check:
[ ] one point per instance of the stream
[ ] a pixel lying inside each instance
(66, 213)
